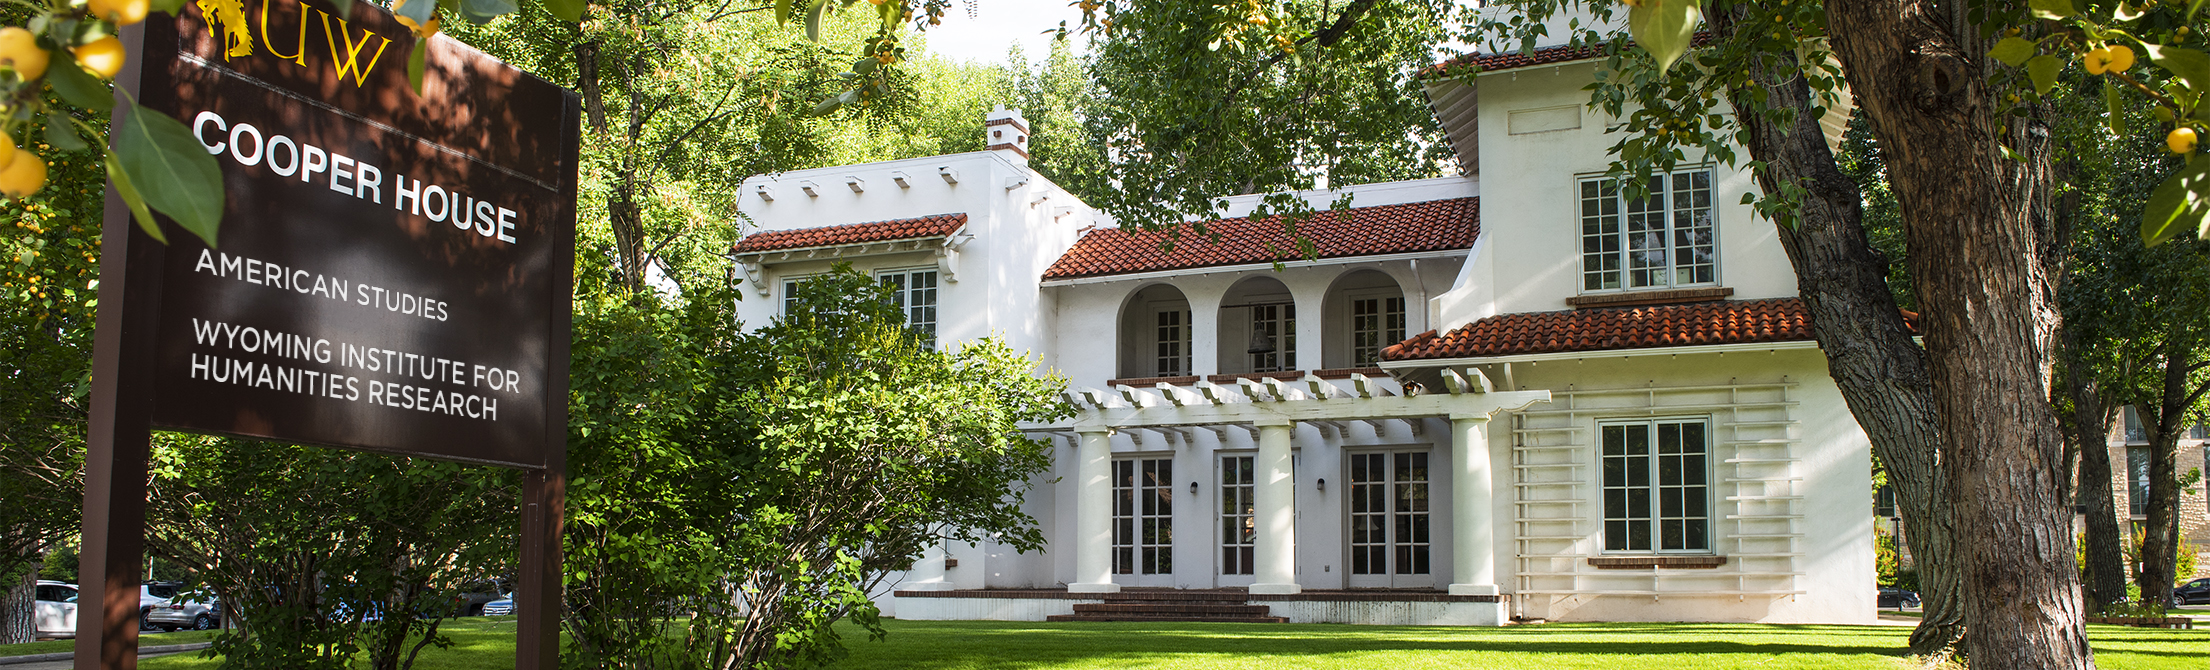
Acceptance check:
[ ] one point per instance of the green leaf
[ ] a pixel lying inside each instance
(131, 199)
(172, 170)
(1664, 27)
(2114, 105)
(345, 8)
(483, 11)
(866, 65)
(417, 64)
(2128, 12)
(782, 12)
(79, 87)
(2051, 9)
(2043, 70)
(2013, 51)
(565, 10)
(2190, 65)
(827, 106)
(2181, 202)
(813, 20)
(61, 134)
(170, 7)
(418, 11)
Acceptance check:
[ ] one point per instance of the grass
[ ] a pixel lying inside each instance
(993, 645)
(145, 639)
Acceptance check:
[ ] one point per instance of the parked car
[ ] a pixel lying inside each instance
(474, 595)
(179, 612)
(2197, 591)
(54, 609)
(500, 607)
(1897, 598)
(151, 595)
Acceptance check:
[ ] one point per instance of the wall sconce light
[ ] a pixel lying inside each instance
(1193, 488)
(1323, 483)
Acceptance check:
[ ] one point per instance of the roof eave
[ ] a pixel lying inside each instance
(1247, 267)
(1424, 363)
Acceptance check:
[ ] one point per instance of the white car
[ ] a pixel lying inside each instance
(55, 609)
(500, 607)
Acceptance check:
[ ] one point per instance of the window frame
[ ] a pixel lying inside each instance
(789, 288)
(1351, 330)
(1620, 250)
(905, 290)
(1654, 489)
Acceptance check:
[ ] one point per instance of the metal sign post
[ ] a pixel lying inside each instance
(392, 274)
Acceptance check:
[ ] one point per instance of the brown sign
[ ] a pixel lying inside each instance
(390, 266)
(392, 273)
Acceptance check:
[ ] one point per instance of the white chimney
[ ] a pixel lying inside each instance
(1005, 130)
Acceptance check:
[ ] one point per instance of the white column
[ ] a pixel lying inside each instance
(1204, 332)
(1093, 513)
(1473, 527)
(1275, 497)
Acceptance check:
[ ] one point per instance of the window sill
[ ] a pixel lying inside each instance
(1638, 298)
(1648, 562)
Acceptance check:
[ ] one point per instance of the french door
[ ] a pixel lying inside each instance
(1389, 520)
(1238, 521)
(1143, 522)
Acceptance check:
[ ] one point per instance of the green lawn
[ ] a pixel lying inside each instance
(983, 645)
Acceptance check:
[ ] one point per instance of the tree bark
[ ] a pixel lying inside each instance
(1980, 231)
(19, 609)
(1881, 372)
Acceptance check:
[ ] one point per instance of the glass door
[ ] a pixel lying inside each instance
(1143, 522)
(1389, 520)
(1238, 523)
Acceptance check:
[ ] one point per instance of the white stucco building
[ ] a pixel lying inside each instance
(1511, 394)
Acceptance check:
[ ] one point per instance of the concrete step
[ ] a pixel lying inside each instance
(1166, 618)
(1192, 609)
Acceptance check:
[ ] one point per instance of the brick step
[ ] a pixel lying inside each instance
(1173, 608)
(1166, 618)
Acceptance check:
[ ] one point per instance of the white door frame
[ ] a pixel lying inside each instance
(1388, 575)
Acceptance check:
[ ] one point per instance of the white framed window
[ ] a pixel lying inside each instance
(1668, 239)
(914, 292)
(790, 293)
(2137, 480)
(1170, 338)
(1376, 322)
(1390, 519)
(1657, 493)
(2136, 432)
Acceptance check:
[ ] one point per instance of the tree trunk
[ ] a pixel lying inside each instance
(2089, 430)
(18, 608)
(1979, 228)
(2165, 419)
(1870, 354)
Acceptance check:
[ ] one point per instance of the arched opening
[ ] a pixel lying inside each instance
(1155, 333)
(1258, 327)
(1364, 312)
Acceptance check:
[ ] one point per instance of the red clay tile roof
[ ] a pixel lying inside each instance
(1490, 62)
(1704, 323)
(938, 225)
(1363, 231)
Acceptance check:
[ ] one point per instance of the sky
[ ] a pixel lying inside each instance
(997, 25)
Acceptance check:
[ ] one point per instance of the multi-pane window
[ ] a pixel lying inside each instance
(1172, 340)
(1238, 526)
(1277, 325)
(790, 295)
(2135, 430)
(2198, 432)
(1663, 240)
(1390, 516)
(1656, 486)
(914, 292)
(1375, 323)
(1143, 516)
(2137, 479)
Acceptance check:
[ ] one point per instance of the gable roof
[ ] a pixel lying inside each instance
(1490, 62)
(1362, 231)
(1695, 324)
(937, 225)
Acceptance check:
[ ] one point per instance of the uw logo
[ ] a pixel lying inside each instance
(237, 38)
